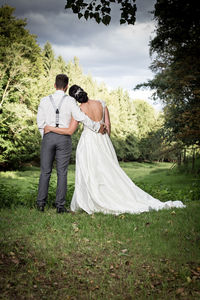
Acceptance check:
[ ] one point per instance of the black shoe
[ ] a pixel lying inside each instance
(40, 208)
(61, 210)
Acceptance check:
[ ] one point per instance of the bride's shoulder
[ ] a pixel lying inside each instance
(91, 102)
(103, 103)
(94, 102)
(97, 101)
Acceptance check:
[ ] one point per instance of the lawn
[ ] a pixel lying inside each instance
(153, 255)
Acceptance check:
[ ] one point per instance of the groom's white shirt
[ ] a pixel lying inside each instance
(46, 113)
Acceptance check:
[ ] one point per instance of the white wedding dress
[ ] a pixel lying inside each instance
(102, 186)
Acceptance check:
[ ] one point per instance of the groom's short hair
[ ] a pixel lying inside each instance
(61, 81)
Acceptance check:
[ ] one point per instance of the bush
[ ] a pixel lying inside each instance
(13, 196)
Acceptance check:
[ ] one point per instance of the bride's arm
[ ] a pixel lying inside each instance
(70, 130)
(107, 121)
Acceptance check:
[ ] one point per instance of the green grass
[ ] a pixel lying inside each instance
(153, 255)
(20, 187)
(163, 183)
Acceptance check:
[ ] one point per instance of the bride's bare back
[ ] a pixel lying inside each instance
(93, 109)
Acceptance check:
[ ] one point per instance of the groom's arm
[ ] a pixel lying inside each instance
(41, 119)
(79, 116)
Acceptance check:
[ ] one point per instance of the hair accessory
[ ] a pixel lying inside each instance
(77, 92)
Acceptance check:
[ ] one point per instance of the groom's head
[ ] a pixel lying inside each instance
(61, 82)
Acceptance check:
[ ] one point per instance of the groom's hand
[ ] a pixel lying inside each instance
(102, 129)
(46, 129)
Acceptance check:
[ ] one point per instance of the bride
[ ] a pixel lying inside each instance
(101, 185)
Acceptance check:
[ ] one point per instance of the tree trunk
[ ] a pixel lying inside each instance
(179, 158)
(193, 160)
(4, 93)
(184, 156)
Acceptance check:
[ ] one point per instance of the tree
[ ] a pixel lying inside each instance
(146, 117)
(20, 57)
(20, 66)
(100, 11)
(19, 136)
(176, 48)
(48, 57)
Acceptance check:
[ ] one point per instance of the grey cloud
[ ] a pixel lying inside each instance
(116, 54)
(50, 21)
(64, 28)
(121, 46)
(144, 10)
(24, 7)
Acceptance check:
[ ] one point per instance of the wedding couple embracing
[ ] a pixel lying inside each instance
(100, 183)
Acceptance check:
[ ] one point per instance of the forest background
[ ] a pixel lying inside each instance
(139, 133)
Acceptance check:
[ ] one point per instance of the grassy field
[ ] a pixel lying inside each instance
(153, 255)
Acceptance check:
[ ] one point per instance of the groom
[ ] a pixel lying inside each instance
(57, 110)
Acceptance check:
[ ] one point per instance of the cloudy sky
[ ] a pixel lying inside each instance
(116, 54)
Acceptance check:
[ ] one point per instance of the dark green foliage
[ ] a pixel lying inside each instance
(19, 137)
(100, 11)
(21, 66)
(176, 48)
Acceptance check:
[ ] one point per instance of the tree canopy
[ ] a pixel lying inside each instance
(176, 49)
(100, 11)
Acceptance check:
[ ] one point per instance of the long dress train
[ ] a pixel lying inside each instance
(102, 186)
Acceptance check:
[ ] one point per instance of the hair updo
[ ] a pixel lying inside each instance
(78, 93)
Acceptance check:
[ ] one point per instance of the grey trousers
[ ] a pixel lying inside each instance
(58, 147)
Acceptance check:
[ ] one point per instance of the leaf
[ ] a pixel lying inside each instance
(122, 216)
(75, 227)
(15, 260)
(86, 240)
(124, 250)
(106, 19)
(86, 14)
(179, 291)
(98, 7)
(97, 17)
(189, 279)
(122, 21)
(195, 273)
(75, 9)
(80, 15)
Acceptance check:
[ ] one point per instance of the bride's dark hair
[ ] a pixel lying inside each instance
(78, 93)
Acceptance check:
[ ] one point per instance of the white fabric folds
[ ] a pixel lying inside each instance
(102, 186)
